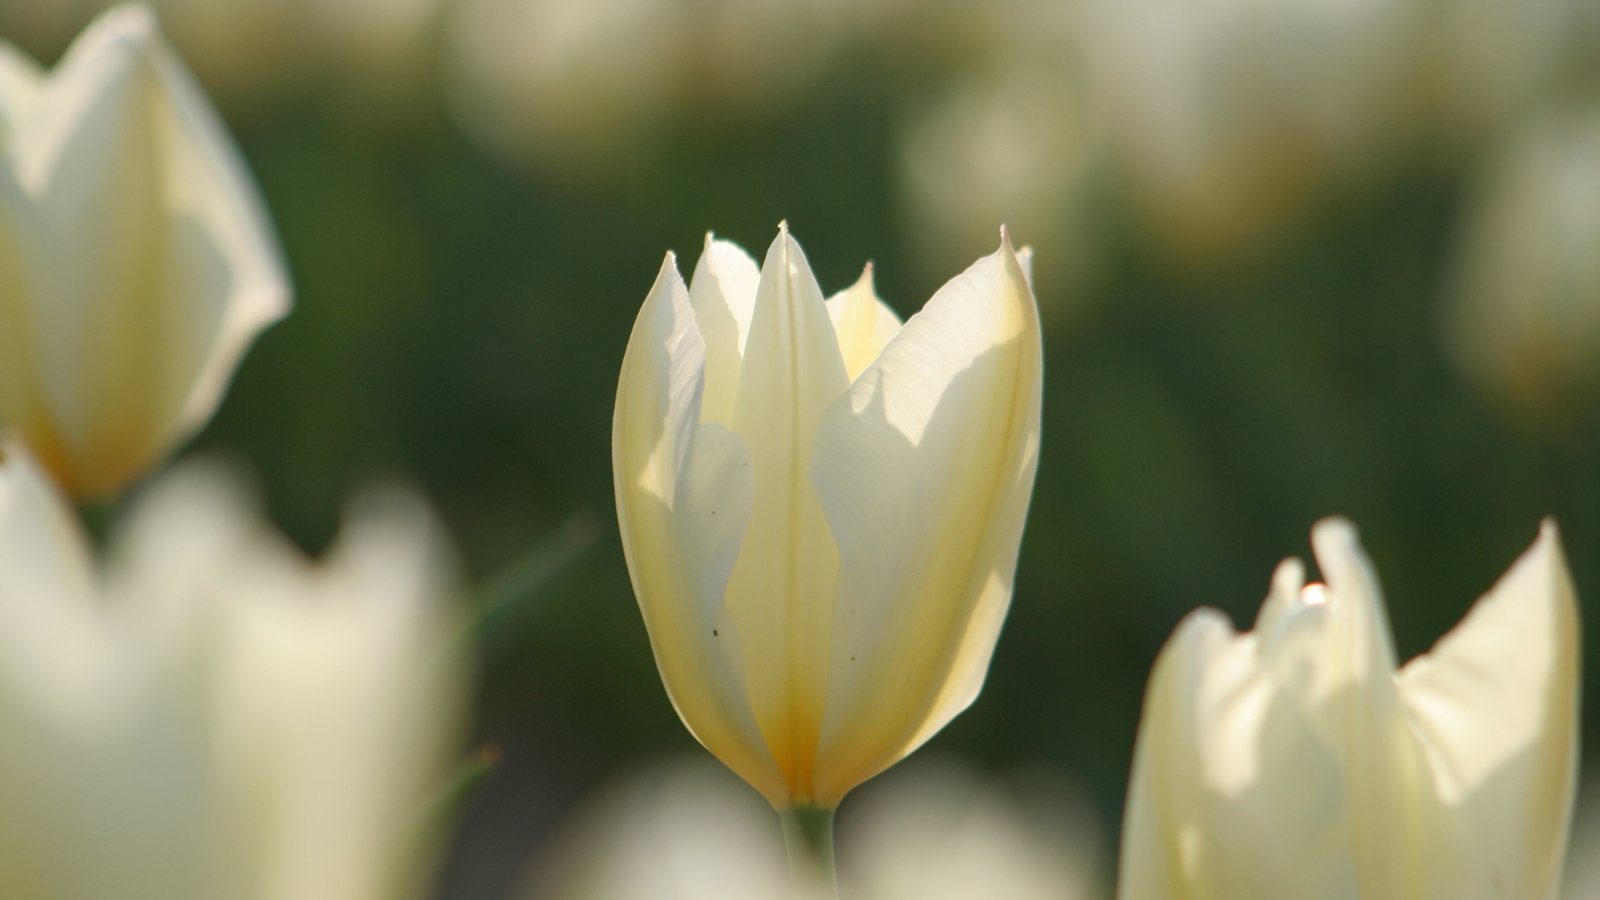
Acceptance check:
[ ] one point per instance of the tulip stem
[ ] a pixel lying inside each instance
(808, 836)
(96, 516)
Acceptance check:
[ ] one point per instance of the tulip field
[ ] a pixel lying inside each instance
(743, 450)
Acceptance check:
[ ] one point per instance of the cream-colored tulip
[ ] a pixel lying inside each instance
(821, 509)
(679, 830)
(1521, 316)
(136, 259)
(1226, 119)
(941, 832)
(210, 714)
(1295, 761)
(687, 830)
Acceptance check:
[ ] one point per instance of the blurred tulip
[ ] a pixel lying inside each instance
(1228, 116)
(754, 51)
(1489, 59)
(210, 714)
(682, 831)
(1017, 145)
(1522, 315)
(580, 86)
(1296, 762)
(940, 833)
(384, 49)
(824, 561)
(136, 260)
(571, 83)
(379, 51)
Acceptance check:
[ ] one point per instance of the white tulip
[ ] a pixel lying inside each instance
(687, 830)
(939, 832)
(1295, 761)
(210, 714)
(821, 509)
(1227, 118)
(576, 84)
(136, 260)
(1521, 317)
(682, 830)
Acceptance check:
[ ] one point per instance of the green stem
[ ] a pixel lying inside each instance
(96, 516)
(808, 836)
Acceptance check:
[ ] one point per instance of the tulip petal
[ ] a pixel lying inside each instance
(684, 494)
(87, 702)
(20, 80)
(1355, 707)
(1359, 649)
(335, 696)
(1232, 795)
(1495, 708)
(781, 588)
(863, 323)
(149, 264)
(50, 621)
(723, 294)
(925, 469)
(1294, 762)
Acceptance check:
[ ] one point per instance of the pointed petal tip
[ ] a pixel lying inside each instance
(1005, 242)
(1549, 543)
(669, 268)
(783, 227)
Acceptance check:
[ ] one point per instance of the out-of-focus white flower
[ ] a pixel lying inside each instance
(1487, 60)
(689, 831)
(1521, 316)
(210, 714)
(385, 47)
(756, 50)
(680, 831)
(821, 509)
(1296, 761)
(581, 85)
(380, 48)
(1227, 115)
(573, 83)
(1015, 145)
(938, 832)
(136, 260)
